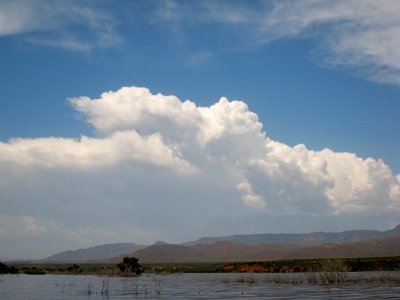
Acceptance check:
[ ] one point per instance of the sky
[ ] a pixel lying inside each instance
(139, 121)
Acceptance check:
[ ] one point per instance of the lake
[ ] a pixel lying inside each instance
(374, 285)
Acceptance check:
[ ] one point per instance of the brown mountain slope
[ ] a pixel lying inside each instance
(224, 251)
(100, 252)
(220, 248)
(169, 253)
(312, 238)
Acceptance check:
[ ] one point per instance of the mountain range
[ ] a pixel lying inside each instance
(313, 238)
(354, 243)
(96, 253)
(228, 252)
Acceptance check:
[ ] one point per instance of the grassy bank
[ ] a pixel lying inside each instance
(275, 266)
(282, 266)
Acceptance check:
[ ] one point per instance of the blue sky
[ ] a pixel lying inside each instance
(318, 73)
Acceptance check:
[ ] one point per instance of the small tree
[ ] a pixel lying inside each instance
(130, 265)
(4, 269)
(76, 269)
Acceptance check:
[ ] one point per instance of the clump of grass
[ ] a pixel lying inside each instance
(333, 271)
(89, 290)
(312, 277)
(248, 280)
(106, 287)
(288, 280)
(329, 272)
(384, 278)
(157, 286)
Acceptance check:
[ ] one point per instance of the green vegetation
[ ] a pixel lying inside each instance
(74, 269)
(281, 266)
(183, 267)
(34, 271)
(4, 269)
(130, 266)
(316, 265)
(373, 264)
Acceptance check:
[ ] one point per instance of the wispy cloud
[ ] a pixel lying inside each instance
(71, 25)
(199, 58)
(362, 35)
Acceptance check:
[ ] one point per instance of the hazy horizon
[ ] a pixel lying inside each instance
(178, 243)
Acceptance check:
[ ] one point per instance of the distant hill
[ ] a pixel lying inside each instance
(219, 251)
(353, 243)
(226, 251)
(101, 252)
(313, 238)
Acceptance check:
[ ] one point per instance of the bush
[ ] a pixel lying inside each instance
(130, 266)
(75, 269)
(333, 271)
(4, 269)
(34, 271)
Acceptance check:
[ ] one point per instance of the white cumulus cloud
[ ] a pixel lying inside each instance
(89, 153)
(166, 162)
(138, 126)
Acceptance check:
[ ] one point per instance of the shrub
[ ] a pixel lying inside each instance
(4, 269)
(75, 269)
(34, 271)
(130, 266)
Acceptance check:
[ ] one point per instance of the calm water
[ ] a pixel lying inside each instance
(196, 286)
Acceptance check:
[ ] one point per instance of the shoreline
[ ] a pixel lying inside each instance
(362, 264)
